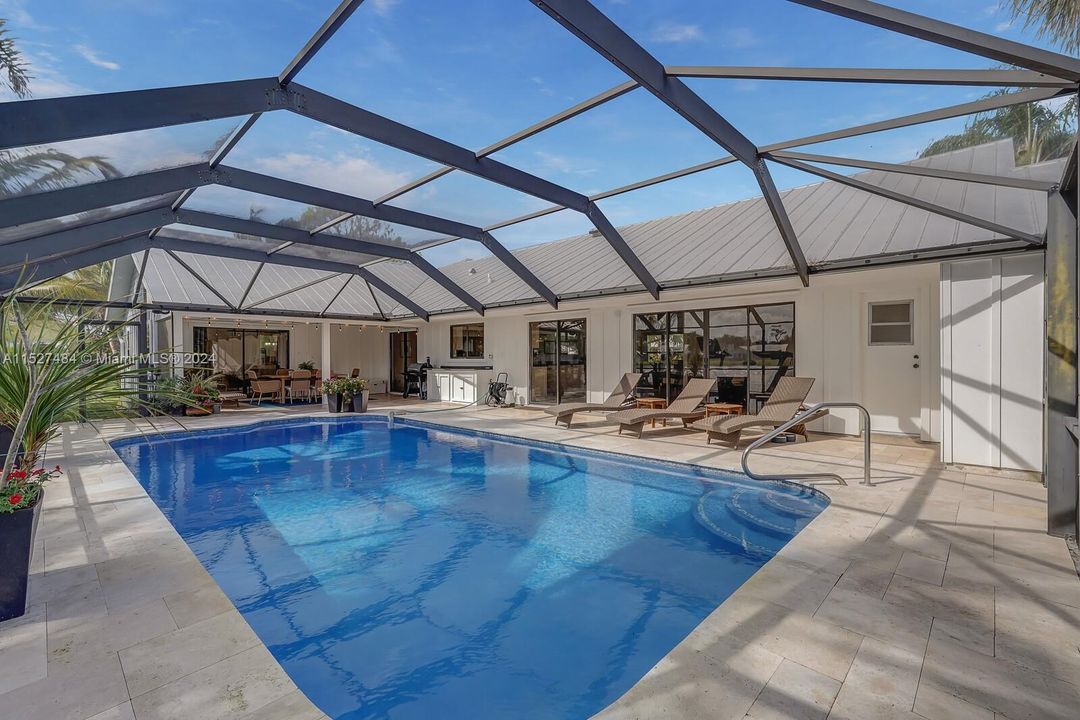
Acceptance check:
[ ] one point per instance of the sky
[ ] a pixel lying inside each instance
(474, 71)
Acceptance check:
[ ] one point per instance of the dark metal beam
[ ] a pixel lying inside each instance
(165, 241)
(350, 118)
(624, 251)
(35, 249)
(267, 185)
(594, 28)
(1060, 466)
(225, 223)
(321, 36)
(200, 279)
(909, 200)
(987, 104)
(992, 78)
(334, 242)
(36, 122)
(608, 39)
(298, 288)
(68, 201)
(547, 123)
(46, 269)
(390, 291)
(338, 294)
(922, 170)
(518, 268)
(954, 36)
(421, 262)
(783, 222)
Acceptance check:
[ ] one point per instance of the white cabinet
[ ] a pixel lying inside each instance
(457, 386)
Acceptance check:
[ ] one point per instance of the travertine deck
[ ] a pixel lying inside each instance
(935, 595)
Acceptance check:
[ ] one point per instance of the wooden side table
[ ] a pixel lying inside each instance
(652, 403)
(723, 409)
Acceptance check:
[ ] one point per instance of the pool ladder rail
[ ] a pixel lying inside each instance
(813, 412)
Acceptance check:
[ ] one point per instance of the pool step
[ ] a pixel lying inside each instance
(756, 521)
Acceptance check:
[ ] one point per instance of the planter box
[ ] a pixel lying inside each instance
(360, 402)
(17, 532)
(333, 403)
(193, 411)
(6, 434)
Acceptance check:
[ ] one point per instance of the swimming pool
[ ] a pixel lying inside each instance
(415, 572)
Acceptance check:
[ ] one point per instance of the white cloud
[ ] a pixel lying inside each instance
(670, 32)
(353, 174)
(384, 7)
(18, 16)
(1003, 26)
(553, 162)
(91, 56)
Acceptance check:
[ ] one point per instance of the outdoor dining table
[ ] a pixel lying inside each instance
(281, 384)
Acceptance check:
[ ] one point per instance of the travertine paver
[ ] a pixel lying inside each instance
(935, 595)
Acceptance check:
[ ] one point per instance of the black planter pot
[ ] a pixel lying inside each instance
(359, 402)
(17, 532)
(333, 403)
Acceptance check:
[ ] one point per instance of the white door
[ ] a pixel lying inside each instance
(893, 357)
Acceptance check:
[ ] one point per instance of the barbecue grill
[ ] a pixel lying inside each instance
(416, 379)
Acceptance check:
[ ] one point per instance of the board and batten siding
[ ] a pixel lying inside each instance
(992, 361)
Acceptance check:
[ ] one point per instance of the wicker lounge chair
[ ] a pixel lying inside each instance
(686, 407)
(782, 405)
(617, 399)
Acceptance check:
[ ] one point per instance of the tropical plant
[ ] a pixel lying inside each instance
(1056, 20)
(356, 227)
(14, 72)
(307, 365)
(38, 169)
(1038, 131)
(52, 376)
(90, 283)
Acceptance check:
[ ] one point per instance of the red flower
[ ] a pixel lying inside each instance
(15, 499)
(17, 475)
(56, 469)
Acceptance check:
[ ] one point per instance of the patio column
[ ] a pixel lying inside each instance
(324, 354)
(1060, 452)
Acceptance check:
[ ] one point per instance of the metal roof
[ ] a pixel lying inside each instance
(180, 252)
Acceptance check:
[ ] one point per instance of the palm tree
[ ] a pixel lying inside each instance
(35, 169)
(88, 283)
(1038, 131)
(14, 73)
(1057, 21)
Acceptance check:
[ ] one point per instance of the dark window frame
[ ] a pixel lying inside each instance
(465, 355)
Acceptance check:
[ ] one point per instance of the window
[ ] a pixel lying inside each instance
(891, 323)
(235, 351)
(467, 341)
(557, 349)
(747, 349)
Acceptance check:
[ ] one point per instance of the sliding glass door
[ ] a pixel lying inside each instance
(558, 362)
(746, 349)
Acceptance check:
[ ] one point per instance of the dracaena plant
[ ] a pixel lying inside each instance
(53, 372)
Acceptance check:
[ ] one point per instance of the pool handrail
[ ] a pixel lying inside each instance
(811, 413)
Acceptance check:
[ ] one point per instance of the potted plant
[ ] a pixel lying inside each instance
(335, 390)
(307, 365)
(359, 394)
(20, 509)
(202, 395)
(68, 370)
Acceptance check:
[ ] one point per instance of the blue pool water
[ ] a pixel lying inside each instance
(418, 573)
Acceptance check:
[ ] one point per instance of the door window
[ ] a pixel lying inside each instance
(891, 323)
(557, 361)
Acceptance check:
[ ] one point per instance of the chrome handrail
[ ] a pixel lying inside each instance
(806, 416)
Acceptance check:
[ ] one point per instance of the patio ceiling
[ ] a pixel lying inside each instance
(187, 252)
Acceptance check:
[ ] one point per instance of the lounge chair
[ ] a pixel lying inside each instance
(618, 398)
(686, 407)
(786, 399)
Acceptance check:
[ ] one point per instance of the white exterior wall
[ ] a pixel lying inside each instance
(992, 361)
(978, 325)
(830, 321)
